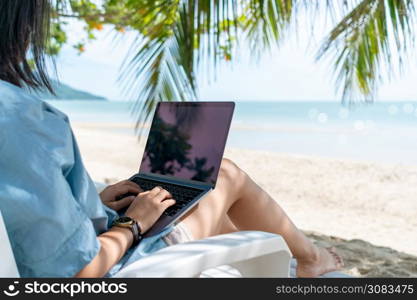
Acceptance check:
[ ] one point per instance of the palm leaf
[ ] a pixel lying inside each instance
(162, 69)
(264, 22)
(361, 44)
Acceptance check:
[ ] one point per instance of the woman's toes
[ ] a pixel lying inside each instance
(327, 261)
(336, 256)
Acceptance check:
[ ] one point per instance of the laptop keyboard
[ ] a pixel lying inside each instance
(182, 195)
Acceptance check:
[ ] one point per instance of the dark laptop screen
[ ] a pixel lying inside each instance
(187, 140)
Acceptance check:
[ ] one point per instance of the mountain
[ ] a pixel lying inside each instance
(65, 92)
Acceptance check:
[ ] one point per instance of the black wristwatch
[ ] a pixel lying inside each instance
(127, 222)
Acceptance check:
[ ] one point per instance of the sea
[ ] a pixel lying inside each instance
(379, 131)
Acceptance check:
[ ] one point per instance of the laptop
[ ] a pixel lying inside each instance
(183, 154)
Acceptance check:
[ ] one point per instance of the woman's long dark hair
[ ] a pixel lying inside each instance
(24, 28)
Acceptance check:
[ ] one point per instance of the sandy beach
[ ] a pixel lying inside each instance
(367, 210)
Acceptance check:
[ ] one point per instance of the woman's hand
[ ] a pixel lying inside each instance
(148, 206)
(110, 194)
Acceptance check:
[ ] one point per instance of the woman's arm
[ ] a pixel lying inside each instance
(114, 244)
(145, 209)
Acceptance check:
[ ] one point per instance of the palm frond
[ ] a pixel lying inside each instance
(162, 69)
(361, 44)
(264, 22)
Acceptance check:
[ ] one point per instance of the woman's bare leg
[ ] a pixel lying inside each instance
(238, 203)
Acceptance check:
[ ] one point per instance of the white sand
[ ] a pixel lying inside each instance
(351, 200)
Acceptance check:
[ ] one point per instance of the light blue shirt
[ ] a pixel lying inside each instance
(50, 206)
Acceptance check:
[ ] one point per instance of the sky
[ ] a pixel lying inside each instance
(287, 73)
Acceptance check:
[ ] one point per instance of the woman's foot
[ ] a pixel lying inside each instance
(326, 260)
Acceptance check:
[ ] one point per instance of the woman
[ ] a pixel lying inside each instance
(57, 223)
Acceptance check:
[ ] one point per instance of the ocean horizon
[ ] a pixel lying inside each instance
(380, 131)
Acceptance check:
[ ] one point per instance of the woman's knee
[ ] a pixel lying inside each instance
(230, 172)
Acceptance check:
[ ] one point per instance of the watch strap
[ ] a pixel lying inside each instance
(137, 232)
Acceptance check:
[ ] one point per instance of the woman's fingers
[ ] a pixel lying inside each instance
(167, 203)
(117, 205)
(134, 185)
(155, 191)
(128, 183)
(124, 189)
(162, 195)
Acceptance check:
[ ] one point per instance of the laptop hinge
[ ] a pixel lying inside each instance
(174, 180)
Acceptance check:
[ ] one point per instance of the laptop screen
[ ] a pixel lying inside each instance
(187, 140)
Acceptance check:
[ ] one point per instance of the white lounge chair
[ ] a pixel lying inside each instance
(8, 266)
(250, 253)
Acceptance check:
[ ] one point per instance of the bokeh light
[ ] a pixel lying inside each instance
(322, 118)
(393, 109)
(343, 113)
(408, 108)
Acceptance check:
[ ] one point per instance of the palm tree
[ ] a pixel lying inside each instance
(176, 38)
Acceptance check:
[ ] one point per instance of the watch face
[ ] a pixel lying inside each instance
(124, 220)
